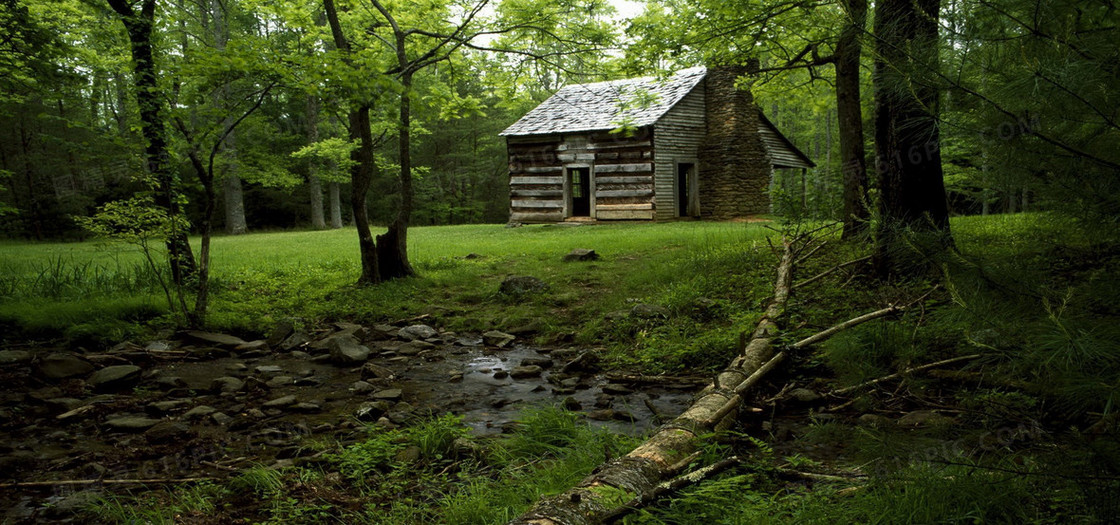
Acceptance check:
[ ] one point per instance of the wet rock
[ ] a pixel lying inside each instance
(542, 362)
(159, 346)
(605, 414)
(563, 391)
(306, 407)
(649, 311)
(390, 394)
(167, 432)
(226, 384)
(237, 367)
(255, 413)
(280, 382)
(455, 377)
(409, 454)
(361, 387)
(15, 357)
(521, 285)
(373, 371)
(803, 395)
(221, 418)
(603, 400)
(299, 354)
(258, 347)
(570, 403)
(131, 423)
(73, 504)
(924, 419)
(280, 331)
(400, 414)
(64, 404)
(44, 394)
(296, 340)
(308, 381)
(169, 382)
(524, 372)
(501, 374)
(585, 362)
(414, 347)
(381, 332)
(160, 408)
(580, 254)
(468, 341)
(62, 366)
(268, 369)
(417, 331)
(616, 389)
(346, 351)
(206, 353)
(199, 412)
(115, 378)
(372, 410)
(498, 339)
(211, 338)
(280, 402)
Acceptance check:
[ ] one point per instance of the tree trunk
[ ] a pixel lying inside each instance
(907, 140)
(314, 185)
(232, 195)
(153, 128)
(849, 117)
(392, 246)
(661, 455)
(361, 174)
(335, 203)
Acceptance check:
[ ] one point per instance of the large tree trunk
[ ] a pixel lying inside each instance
(850, 119)
(314, 185)
(361, 174)
(661, 455)
(139, 27)
(393, 245)
(907, 141)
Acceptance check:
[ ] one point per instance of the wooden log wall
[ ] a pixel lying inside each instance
(622, 175)
(536, 179)
(678, 137)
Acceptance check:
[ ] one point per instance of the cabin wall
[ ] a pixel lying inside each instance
(735, 166)
(677, 138)
(621, 175)
(536, 179)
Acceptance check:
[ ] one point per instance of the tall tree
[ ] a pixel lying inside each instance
(907, 136)
(849, 116)
(139, 24)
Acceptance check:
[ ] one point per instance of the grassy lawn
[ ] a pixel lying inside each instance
(100, 293)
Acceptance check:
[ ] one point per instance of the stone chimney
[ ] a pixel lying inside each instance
(735, 168)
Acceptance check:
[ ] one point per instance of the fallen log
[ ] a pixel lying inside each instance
(639, 472)
(671, 448)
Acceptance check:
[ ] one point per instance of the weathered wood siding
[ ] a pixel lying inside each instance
(536, 179)
(677, 138)
(781, 151)
(621, 185)
(623, 175)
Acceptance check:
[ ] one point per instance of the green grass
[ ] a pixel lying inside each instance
(704, 272)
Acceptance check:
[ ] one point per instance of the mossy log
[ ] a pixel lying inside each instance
(670, 449)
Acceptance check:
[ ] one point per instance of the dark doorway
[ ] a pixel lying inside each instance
(685, 174)
(581, 191)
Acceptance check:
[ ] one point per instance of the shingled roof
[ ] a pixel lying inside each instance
(595, 107)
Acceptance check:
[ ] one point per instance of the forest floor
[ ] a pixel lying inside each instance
(471, 402)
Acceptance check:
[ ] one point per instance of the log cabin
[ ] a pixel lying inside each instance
(692, 145)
